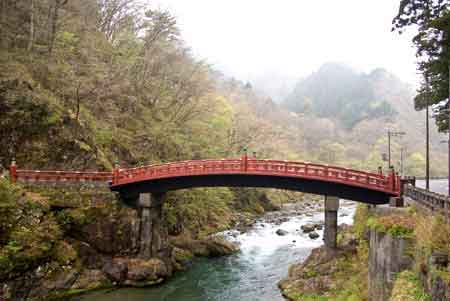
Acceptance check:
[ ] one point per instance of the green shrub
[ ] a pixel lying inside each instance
(397, 225)
(407, 287)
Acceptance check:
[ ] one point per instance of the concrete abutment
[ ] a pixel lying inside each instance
(153, 238)
(331, 225)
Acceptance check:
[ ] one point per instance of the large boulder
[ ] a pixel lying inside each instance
(208, 247)
(308, 228)
(182, 257)
(146, 272)
(281, 232)
(90, 279)
(219, 246)
(136, 271)
(108, 231)
(314, 235)
(116, 271)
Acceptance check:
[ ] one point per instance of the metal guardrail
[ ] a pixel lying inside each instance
(432, 201)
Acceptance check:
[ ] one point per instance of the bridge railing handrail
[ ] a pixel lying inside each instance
(217, 166)
(432, 201)
(59, 175)
(251, 165)
(341, 173)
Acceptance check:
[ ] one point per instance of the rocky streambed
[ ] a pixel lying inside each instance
(268, 247)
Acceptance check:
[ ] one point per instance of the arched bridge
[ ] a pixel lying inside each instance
(145, 187)
(329, 180)
(367, 187)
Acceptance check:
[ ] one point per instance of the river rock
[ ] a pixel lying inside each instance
(281, 220)
(108, 233)
(313, 235)
(281, 232)
(90, 279)
(318, 226)
(218, 246)
(136, 271)
(116, 271)
(308, 228)
(322, 265)
(209, 247)
(145, 272)
(184, 257)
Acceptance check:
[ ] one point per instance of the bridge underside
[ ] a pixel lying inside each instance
(132, 190)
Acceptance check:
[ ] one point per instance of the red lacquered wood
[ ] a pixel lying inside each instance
(374, 181)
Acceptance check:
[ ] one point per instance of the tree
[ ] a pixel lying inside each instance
(31, 35)
(432, 41)
(115, 15)
(416, 164)
(53, 16)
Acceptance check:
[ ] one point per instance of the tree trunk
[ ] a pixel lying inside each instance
(54, 14)
(77, 114)
(3, 35)
(31, 37)
(53, 21)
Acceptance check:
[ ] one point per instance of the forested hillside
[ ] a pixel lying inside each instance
(337, 91)
(88, 84)
(349, 113)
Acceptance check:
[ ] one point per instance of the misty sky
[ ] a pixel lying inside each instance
(292, 38)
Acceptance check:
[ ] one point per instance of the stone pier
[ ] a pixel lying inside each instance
(153, 240)
(331, 226)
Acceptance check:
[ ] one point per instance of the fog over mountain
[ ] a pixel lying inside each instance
(270, 43)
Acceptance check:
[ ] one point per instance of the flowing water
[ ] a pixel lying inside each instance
(250, 275)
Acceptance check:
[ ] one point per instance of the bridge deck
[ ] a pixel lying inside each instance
(244, 172)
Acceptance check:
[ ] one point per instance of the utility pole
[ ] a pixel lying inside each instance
(393, 134)
(389, 150)
(427, 151)
(448, 176)
(402, 151)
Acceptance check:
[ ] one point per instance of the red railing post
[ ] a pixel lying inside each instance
(116, 171)
(13, 171)
(244, 162)
(392, 180)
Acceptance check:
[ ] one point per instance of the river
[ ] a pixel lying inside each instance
(250, 275)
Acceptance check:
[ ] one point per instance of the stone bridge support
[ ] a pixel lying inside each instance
(331, 225)
(153, 237)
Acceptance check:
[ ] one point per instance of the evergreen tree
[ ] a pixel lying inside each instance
(432, 41)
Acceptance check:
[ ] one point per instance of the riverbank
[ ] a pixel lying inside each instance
(250, 274)
(395, 254)
(330, 275)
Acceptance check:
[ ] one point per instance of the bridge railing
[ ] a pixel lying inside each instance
(428, 200)
(46, 176)
(244, 165)
(254, 166)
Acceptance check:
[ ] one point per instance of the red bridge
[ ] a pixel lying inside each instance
(344, 183)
